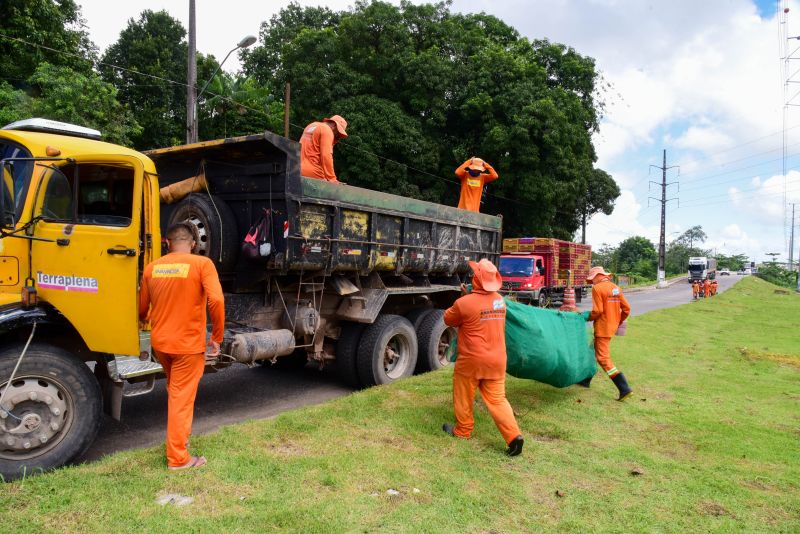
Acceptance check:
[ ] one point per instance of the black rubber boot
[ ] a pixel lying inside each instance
(625, 390)
(515, 447)
(586, 382)
(448, 429)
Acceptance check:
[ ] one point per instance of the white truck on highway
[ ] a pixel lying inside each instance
(701, 268)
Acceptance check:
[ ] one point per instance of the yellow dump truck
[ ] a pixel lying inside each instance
(342, 276)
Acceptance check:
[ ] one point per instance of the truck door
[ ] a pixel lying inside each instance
(90, 213)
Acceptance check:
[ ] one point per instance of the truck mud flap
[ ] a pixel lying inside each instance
(363, 308)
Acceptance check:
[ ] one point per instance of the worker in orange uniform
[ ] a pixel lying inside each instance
(609, 310)
(481, 320)
(474, 174)
(176, 289)
(695, 289)
(316, 148)
(713, 288)
(706, 288)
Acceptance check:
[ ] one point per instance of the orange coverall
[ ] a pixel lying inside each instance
(707, 288)
(695, 289)
(316, 152)
(175, 291)
(481, 364)
(713, 287)
(472, 187)
(609, 310)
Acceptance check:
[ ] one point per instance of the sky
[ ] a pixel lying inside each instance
(701, 80)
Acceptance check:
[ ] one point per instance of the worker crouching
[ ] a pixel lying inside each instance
(609, 310)
(480, 318)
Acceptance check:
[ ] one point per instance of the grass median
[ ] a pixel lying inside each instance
(709, 442)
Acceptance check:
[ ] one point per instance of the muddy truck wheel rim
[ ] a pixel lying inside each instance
(396, 356)
(36, 415)
(202, 246)
(444, 343)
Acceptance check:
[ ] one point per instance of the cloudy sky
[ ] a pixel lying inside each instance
(701, 80)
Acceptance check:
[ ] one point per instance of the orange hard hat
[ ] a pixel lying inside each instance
(485, 275)
(594, 271)
(477, 164)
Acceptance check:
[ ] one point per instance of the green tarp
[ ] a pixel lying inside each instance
(547, 346)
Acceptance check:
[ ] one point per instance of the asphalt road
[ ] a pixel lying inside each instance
(240, 393)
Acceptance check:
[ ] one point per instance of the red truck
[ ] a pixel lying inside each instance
(536, 270)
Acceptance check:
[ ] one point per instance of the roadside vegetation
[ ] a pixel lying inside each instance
(708, 443)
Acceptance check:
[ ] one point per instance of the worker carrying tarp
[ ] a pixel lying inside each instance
(474, 174)
(316, 148)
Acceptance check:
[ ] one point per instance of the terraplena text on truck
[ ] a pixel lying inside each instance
(337, 275)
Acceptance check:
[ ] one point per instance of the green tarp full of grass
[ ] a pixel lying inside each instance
(545, 345)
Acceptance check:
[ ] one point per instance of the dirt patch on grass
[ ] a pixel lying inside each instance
(287, 448)
(713, 509)
(783, 359)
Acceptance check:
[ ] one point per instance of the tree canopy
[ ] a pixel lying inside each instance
(424, 89)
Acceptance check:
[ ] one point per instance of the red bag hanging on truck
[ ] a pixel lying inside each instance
(257, 243)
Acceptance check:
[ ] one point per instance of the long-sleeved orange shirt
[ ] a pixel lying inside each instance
(609, 308)
(481, 321)
(472, 187)
(175, 290)
(316, 152)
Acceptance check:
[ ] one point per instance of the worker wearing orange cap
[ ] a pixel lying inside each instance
(474, 174)
(695, 289)
(707, 288)
(609, 310)
(316, 148)
(481, 318)
(176, 289)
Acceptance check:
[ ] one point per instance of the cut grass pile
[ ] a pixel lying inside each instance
(709, 443)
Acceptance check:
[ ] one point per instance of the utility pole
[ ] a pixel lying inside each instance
(791, 241)
(191, 79)
(662, 275)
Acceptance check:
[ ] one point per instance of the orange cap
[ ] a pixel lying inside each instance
(485, 275)
(341, 124)
(477, 165)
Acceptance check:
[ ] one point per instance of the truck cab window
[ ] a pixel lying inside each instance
(104, 195)
(16, 177)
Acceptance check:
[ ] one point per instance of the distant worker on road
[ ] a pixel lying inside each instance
(713, 288)
(474, 174)
(706, 288)
(695, 289)
(609, 310)
(176, 289)
(481, 364)
(316, 148)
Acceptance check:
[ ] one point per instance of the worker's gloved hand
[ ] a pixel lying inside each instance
(585, 315)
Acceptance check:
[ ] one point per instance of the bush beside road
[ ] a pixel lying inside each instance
(708, 443)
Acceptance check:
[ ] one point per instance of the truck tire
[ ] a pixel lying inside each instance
(218, 236)
(59, 403)
(544, 300)
(387, 351)
(347, 353)
(416, 316)
(433, 337)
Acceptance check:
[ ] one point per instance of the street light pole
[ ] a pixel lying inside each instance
(244, 43)
(191, 79)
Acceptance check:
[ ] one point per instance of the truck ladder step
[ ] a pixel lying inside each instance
(132, 367)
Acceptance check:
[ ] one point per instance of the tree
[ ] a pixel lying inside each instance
(637, 255)
(14, 104)
(237, 105)
(601, 191)
(68, 96)
(679, 251)
(424, 89)
(693, 235)
(56, 24)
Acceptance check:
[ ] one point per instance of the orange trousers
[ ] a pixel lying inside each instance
(602, 353)
(493, 392)
(183, 376)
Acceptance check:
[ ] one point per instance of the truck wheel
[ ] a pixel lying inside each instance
(387, 351)
(544, 300)
(217, 235)
(416, 316)
(55, 406)
(347, 354)
(434, 337)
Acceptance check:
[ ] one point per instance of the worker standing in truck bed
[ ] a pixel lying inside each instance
(316, 147)
(474, 174)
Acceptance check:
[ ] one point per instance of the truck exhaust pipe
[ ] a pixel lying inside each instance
(254, 346)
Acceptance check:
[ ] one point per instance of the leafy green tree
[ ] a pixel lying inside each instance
(734, 262)
(424, 89)
(68, 96)
(637, 255)
(682, 248)
(56, 24)
(237, 105)
(14, 104)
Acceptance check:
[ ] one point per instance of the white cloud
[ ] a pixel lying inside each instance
(621, 224)
(764, 202)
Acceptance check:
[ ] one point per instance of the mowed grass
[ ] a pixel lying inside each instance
(709, 443)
